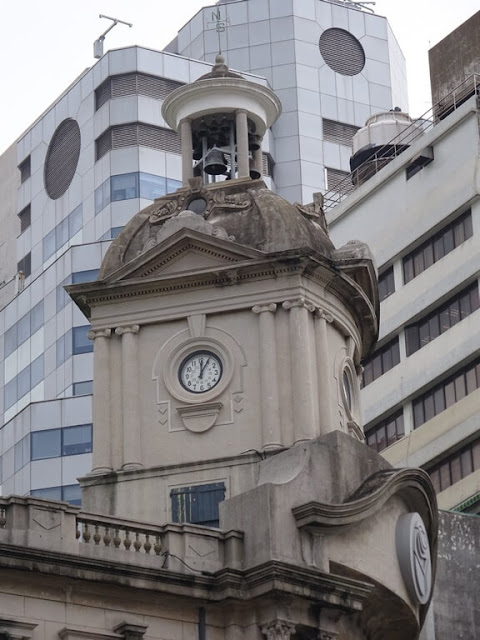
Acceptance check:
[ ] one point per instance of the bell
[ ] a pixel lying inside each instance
(254, 173)
(214, 163)
(253, 143)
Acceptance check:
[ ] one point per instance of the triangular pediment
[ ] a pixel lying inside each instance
(186, 252)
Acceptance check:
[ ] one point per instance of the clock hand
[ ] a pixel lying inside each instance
(202, 369)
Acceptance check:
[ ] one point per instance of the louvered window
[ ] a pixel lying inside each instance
(25, 169)
(62, 158)
(342, 51)
(134, 84)
(338, 132)
(268, 165)
(25, 217)
(138, 133)
(338, 179)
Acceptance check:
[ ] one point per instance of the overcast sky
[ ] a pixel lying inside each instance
(45, 44)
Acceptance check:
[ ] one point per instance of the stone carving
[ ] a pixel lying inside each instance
(47, 520)
(262, 308)
(321, 314)
(314, 210)
(200, 417)
(413, 553)
(93, 334)
(235, 201)
(278, 630)
(298, 302)
(134, 328)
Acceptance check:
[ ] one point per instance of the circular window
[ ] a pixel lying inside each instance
(197, 205)
(342, 51)
(62, 158)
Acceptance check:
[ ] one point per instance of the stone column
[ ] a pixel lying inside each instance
(303, 382)
(271, 436)
(130, 399)
(323, 371)
(278, 630)
(258, 158)
(187, 150)
(242, 144)
(102, 424)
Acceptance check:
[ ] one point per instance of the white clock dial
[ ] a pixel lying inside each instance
(200, 371)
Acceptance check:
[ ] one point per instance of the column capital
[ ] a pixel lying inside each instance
(93, 334)
(278, 630)
(261, 308)
(298, 302)
(133, 328)
(321, 314)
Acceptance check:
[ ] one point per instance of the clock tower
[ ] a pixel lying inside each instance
(228, 334)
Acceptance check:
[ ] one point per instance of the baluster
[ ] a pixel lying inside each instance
(127, 542)
(107, 538)
(116, 538)
(77, 530)
(96, 536)
(147, 544)
(157, 547)
(86, 533)
(137, 544)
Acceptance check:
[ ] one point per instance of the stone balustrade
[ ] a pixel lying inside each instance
(58, 527)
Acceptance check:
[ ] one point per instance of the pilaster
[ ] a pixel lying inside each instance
(102, 419)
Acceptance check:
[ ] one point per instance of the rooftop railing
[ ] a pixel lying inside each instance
(384, 154)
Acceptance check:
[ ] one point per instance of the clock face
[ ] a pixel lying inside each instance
(200, 371)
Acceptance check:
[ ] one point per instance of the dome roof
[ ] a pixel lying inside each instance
(242, 211)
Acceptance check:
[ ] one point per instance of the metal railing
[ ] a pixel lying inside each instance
(389, 151)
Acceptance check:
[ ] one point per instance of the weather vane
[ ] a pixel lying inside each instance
(220, 25)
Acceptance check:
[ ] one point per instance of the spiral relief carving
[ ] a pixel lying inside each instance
(413, 551)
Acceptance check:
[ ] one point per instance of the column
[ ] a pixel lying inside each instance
(130, 399)
(324, 371)
(187, 150)
(278, 630)
(258, 158)
(242, 144)
(303, 381)
(102, 425)
(270, 409)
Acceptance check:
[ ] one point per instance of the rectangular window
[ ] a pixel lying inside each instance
(49, 493)
(63, 232)
(25, 265)
(102, 196)
(25, 217)
(420, 333)
(82, 388)
(77, 440)
(386, 432)
(25, 169)
(433, 249)
(386, 284)
(23, 329)
(124, 186)
(85, 276)
(46, 444)
(72, 493)
(455, 466)
(198, 504)
(446, 393)
(80, 342)
(111, 233)
(64, 347)
(381, 361)
(152, 187)
(28, 378)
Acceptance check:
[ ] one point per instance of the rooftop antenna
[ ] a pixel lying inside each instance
(98, 44)
(220, 26)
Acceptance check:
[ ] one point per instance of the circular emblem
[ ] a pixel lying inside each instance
(413, 551)
(200, 371)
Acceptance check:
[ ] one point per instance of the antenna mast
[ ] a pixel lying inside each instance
(98, 44)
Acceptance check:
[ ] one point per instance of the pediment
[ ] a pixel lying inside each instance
(186, 252)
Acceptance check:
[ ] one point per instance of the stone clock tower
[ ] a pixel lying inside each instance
(228, 333)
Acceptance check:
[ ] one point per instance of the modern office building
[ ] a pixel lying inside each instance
(419, 211)
(102, 152)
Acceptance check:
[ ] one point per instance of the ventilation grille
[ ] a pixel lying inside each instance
(138, 133)
(62, 158)
(134, 84)
(342, 52)
(25, 217)
(338, 132)
(267, 165)
(337, 179)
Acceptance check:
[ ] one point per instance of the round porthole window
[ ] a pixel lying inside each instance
(342, 51)
(62, 158)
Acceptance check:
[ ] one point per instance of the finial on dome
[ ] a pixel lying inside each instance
(219, 59)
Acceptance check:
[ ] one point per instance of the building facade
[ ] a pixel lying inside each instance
(103, 151)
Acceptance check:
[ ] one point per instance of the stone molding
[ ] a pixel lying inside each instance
(262, 308)
(93, 334)
(298, 302)
(278, 630)
(321, 314)
(134, 328)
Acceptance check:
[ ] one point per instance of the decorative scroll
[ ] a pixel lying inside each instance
(413, 553)
(278, 630)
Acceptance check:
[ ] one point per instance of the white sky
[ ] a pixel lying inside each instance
(45, 44)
